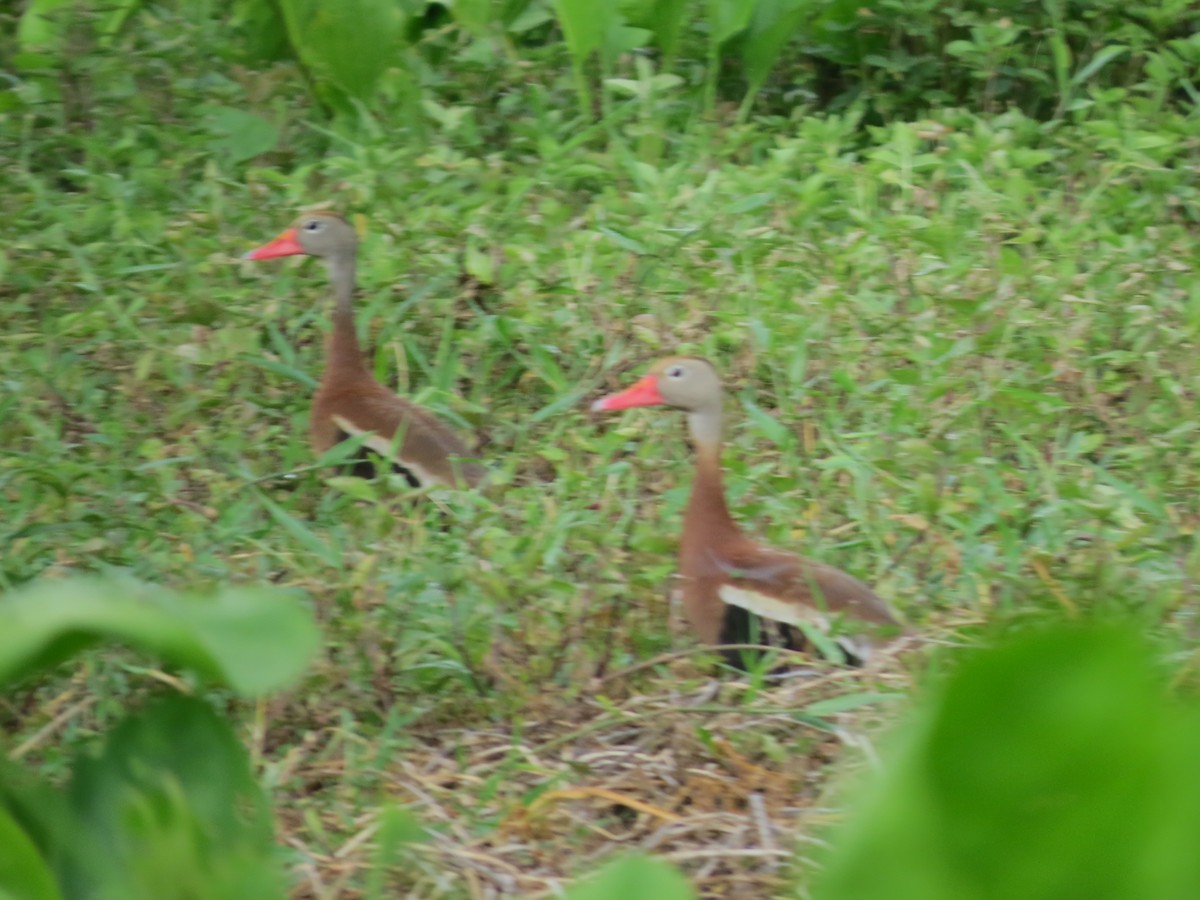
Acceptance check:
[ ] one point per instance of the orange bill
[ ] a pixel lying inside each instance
(284, 245)
(643, 393)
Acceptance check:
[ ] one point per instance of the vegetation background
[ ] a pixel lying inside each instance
(945, 255)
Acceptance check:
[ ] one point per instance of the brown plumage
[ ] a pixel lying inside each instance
(349, 401)
(728, 578)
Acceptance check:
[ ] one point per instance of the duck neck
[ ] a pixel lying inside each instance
(343, 352)
(707, 510)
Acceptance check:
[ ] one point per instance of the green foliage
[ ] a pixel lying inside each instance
(595, 28)
(168, 807)
(959, 342)
(1056, 765)
(46, 25)
(24, 875)
(896, 57)
(252, 640)
(634, 878)
(770, 29)
(397, 829)
(239, 135)
(665, 19)
(346, 46)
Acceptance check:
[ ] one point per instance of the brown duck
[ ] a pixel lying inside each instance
(349, 401)
(728, 578)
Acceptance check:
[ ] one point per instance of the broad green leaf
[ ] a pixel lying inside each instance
(728, 18)
(37, 807)
(350, 43)
(254, 640)
(585, 25)
(664, 19)
(171, 810)
(634, 878)
(1054, 766)
(774, 24)
(240, 135)
(24, 874)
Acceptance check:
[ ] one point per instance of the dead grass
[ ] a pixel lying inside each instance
(720, 777)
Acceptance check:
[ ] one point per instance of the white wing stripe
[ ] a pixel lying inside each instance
(384, 448)
(772, 607)
(791, 614)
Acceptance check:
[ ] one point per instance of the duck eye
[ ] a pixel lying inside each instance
(312, 225)
(675, 372)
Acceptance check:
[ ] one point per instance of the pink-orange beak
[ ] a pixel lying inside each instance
(643, 393)
(284, 245)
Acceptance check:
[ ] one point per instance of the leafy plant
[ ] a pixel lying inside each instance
(595, 28)
(665, 20)
(239, 135)
(46, 24)
(251, 640)
(726, 20)
(169, 806)
(901, 56)
(959, 349)
(633, 878)
(346, 47)
(772, 26)
(1055, 765)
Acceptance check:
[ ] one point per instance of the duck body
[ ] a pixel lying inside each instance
(730, 580)
(416, 444)
(736, 590)
(349, 401)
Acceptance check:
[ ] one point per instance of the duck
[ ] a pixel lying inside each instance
(349, 401)
(732, 585)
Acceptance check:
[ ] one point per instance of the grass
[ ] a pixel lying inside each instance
(961, 363)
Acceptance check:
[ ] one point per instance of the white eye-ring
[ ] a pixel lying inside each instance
(675, 372)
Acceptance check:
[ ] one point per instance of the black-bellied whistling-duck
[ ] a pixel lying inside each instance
(349, 401)
(727, 577)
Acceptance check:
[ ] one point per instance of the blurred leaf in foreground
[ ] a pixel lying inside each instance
(1053, 767)
(634, 878)
(23, 873)
(171, 809)
(253, 640)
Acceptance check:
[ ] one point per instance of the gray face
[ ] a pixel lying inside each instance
(324, 234)
(688, 383)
